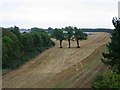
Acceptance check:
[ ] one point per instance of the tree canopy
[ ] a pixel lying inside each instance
(59, 35)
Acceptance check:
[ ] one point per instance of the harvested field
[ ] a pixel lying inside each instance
(62, 67)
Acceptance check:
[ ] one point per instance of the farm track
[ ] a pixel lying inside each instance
(61, 67)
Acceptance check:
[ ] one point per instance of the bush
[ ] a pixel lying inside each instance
(107, 80)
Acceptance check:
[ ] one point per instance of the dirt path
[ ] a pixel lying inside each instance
(61, 67)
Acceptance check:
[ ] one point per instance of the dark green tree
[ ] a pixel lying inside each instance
(10, 52)
(59, 35)
(46, 39)
(14, 38)
(78, 35)
(27, 42)
(35, 29)
(37, 39)
(69, 34)
(38, 42)
(16, 31)
(112, 58)
(5, 57)
(7, 47)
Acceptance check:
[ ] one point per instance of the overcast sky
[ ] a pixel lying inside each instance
(58, 13)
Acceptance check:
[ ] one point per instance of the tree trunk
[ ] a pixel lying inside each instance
(69, 43)
(78, 44)
(60, 43)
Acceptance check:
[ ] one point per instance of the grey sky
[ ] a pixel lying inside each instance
(58, 13)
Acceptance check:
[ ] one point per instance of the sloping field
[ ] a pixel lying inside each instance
(61, 67)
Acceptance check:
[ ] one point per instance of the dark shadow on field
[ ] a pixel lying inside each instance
(69, 48)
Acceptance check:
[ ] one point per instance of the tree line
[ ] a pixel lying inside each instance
(18, 48)
(68, 33)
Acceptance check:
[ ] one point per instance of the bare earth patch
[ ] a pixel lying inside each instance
(61, 67)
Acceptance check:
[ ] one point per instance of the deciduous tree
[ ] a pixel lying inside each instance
(69, 34)
(59, 35)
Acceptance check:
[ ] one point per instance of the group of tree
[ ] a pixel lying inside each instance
(69, 33)
(111, 58)
(17, 48)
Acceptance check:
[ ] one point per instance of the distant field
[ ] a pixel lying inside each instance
(62, 67)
